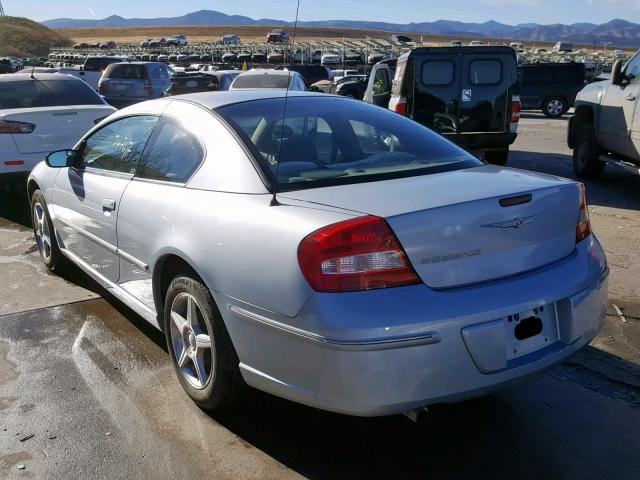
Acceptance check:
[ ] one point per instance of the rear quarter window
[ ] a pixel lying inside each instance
(485, 72)
(437, 73)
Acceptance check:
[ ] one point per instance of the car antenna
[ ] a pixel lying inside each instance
(33, 69)
(274, 199)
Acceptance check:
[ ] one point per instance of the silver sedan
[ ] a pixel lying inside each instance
(324, 250)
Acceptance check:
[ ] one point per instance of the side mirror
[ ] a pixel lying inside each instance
(61, 158)
(81, 68)
(616, 73)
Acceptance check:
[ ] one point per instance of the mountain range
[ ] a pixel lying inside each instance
(619, 32)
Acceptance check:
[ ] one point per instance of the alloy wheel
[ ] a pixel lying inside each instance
(43, 234)
(191, 341)
(555, 107)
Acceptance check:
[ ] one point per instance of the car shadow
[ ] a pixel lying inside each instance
(616, 188)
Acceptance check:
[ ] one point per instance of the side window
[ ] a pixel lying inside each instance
(381, 84)
(632, 70)
(437, 74)
(173, 155)
(485, 72)
(118, 146)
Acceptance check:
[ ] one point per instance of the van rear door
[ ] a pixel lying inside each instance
(484, 92)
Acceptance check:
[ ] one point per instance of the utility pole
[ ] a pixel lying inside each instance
(1, 10)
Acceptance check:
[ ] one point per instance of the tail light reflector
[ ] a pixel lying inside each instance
(516, 108)
(14, 163)
(583, 230)
(358, 254)
(401, 107)
(7, 126)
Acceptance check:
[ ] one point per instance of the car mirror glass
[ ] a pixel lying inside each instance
(61, 158)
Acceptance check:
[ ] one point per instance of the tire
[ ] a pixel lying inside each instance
(497, 157)
(217, 382)
(44, 233)
(586, 161)
(554, 107)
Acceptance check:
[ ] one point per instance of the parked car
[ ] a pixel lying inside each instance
(470, 95)
(157, 42)
(455, 43)
(123, 84)
(278, 35)
(619, 54)
(311, 73)
(563, 47)
(606, 125)
(7, 66)
(145, 43)
(352, 86)
(551, 87)
(229, 57)
(219, 80)
(93, 68)
(231, 40)
(275, 57)
(392, 271)
(517, 47)
(43, 112)
(177, 40)
(375, 57)
(110, 45)
(476, 43)
(331, 58)
(403, 39)
(270, 79)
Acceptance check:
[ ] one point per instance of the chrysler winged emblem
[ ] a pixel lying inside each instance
(516, 222)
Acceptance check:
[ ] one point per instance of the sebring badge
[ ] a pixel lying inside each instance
(515, 223)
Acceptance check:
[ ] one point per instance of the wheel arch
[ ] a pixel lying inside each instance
(583, 114)
(166, 268)
(32, 186)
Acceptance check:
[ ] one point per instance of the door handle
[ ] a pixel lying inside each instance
(108, 204)
(631, 97)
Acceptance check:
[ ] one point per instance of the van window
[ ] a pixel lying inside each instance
(485, 72)
(437, 74)
(381, 82)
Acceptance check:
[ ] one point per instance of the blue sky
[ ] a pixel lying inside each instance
(401, 11)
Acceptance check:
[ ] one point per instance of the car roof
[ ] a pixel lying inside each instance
(267, 71)
(15, 77)
(214, 100)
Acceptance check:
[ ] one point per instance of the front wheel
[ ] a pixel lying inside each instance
(199, 345)
(586, 154)
(497, 157)
(554, 107)
(44, 232)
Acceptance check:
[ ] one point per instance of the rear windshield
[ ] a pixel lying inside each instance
(46, 93)
(99, 64)
(126, 70)
(261, 81)
(333, 141)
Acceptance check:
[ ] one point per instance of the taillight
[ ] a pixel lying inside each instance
(401, 107)
(7, 126)
(583, 230)
(358, 254)
(516, 108)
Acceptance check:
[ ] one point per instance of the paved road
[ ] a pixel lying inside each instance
(92, 382)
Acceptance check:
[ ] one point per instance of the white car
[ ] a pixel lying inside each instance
(260, 78)
(331, 58)
(44, 113)
(476, 43)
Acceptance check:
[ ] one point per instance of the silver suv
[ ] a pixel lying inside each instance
(124, 84)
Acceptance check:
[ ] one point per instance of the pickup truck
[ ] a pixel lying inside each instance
(93, 68)
(606, 126)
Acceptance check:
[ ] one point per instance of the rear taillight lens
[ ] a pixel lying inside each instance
(358, 254)
(516, 108)
(401, 107)
(583, 230)
(7, 126)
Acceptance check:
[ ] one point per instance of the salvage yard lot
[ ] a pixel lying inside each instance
(93, 383)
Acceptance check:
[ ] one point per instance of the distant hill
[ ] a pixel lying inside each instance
(619, 32)
(22, 37)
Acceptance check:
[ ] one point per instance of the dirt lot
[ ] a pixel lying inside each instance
(87, 391)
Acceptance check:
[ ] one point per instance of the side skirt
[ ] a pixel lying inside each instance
(125, 297)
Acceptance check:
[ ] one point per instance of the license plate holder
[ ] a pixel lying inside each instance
(523, 327)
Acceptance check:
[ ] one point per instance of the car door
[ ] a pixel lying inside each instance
(617, 111)
(381, 87)
(172, 156)
(87, 196)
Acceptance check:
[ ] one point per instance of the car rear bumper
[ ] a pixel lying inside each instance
(384, 352)
(482, 140)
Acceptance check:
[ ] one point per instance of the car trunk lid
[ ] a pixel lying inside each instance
(56, 128)
(468, 226)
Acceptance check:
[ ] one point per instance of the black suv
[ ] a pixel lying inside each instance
(469, 95)
(551, 87)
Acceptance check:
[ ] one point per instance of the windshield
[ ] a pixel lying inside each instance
(331, 141)
(262, 81)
